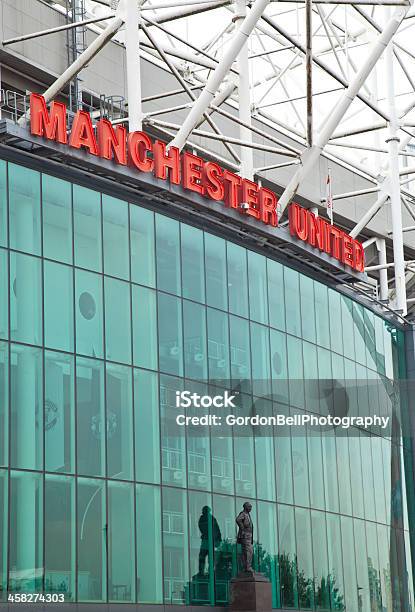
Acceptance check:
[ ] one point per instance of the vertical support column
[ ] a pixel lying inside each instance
(132, 48)
(244, 89)
(309, 70)
(383, 272)
(395, 189)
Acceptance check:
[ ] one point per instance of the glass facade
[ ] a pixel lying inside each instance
(107, 309)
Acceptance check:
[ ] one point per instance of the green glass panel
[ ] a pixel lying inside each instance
(87, 228)
(204, 537)
(363, 595)
(117, 320)
(147, 426)
(115, 234)
(308, 321)
(258, 290)
(320, 561)
(240, 353)
(283, 459)
(215, 268)
(264, 456)
(218, 345)
(370, 338)
(198, 444)
(225, 555)
(4, 505)
(90, 418)
(322, 315)
(268, 547)
(300, 461)
(143, 260)
(58, 300)
(243, 448)
(343, 472)
(25, 299)
(193, 267)
(367, 469)
(279, 366)
(170, 334)
(149, 548)
(119, 405)
(195, 348)
(359, 333)
(4, 292)
(144, 327)
(304, 559)
(349, 566)
(92, 540)
(222, 464)
(311, 393)
(24, 202)
(379, 483)
(89, 314)
(336, 339)
(59, 412)
(121, 542)
(261, 360)
(315, 469)
(4, 404)
(60, 535)
(336, 583)
(356, 472)
(173, 441)
(57, 219)
(26, 403)
(3, 203)
(237, 279)
(175, 546)
(329, 469)
(168, 255)
(292, 301)
(373, 570)
(276, 294)
(26, 533)
(295, 371)
(386, 568)
(287, 557)
(347, 326)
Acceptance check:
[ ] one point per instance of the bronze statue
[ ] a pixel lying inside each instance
(210, 536)
(246, 536)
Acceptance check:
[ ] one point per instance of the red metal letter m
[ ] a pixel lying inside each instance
(50, 125)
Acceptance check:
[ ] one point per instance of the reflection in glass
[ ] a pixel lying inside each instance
(258, 290)
(204, 537)
(216, 278)
(143, 264)
(89, 317)
(57, 219)
(149, 549)
(117, 320)
(170, 334)
(92, 538)
(168, 255)
(3, 203)
(25, 299)
(175, 546)
(144, 327)
(4, 505)
(26, 404)
(195, 349)
(87, 228)
(58, 297)
(60, 535)
(287, 557)
(173, 442)
(115, 228)
(119, 417)
(218, 345)
(237, 280)
(4, 404)
(147, 426)
(193, 268)
(24, 212)
(59, 412)
(121, 544)
(240, 353)
(90, 418)
(26, 532)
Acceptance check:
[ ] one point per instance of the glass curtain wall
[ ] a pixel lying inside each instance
(106, 310)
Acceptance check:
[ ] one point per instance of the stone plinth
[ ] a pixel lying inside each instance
(251, 592)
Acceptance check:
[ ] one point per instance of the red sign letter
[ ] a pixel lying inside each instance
(163, 160)
(139, 144)
(268, 206)
(112, 142)
(192, 172)
(298, 221)
(212, 179)
(233, 183)
(82, 134)
(250, 197)
(52, 126)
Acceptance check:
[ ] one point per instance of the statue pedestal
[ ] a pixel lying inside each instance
(251, 592)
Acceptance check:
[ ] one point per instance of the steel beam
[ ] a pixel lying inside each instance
(309, 70)
(244, 92)
(132, 51)
(220, 72)
(310, 157)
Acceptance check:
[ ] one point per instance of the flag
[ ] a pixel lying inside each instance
(329, 197)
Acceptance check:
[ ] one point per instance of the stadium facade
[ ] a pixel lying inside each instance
(121, 285)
